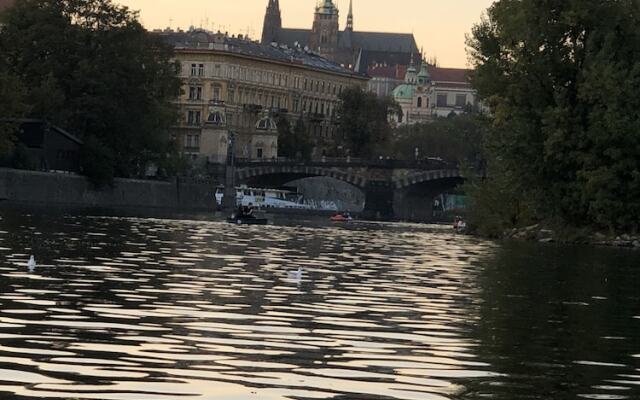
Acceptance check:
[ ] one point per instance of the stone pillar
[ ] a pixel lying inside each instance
(410, 206)
(378, 203)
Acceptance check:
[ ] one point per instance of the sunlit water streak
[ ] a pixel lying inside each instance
(130, 308)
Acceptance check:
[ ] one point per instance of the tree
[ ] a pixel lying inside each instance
(90, 66)
(293, 142)
(456, 139)
(364, 121)
(560, 77)
(12, 107)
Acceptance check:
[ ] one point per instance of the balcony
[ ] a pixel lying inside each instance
(316, 117)
(252, 108)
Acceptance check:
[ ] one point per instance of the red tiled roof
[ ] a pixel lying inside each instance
(391, 72)
(6, 4)
(458, 75)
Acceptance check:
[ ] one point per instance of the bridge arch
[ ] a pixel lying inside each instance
(280, 174)
(419, 177)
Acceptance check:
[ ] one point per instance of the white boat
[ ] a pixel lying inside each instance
(265, 198)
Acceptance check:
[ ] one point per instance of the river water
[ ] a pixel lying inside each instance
(135, 309)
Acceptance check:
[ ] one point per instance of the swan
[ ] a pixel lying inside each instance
(297, 275)
(32, 264)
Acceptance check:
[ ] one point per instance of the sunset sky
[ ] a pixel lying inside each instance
(439, 25)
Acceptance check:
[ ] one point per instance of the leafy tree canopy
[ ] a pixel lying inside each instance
(90, 67)
(455, 139)
(561, 78)
(293, 142)
(364, 121)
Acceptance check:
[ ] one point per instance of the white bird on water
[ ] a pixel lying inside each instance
(296, 275)
(32, 264)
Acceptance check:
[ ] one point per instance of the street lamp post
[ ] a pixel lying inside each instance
(229, 199)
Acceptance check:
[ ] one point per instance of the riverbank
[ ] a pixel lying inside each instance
(545, 234)
(31, 188)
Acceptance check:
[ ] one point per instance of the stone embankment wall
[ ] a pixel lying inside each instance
(41, 188)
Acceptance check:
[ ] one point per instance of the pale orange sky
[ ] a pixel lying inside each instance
(439, 25)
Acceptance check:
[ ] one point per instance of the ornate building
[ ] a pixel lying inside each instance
(434, 92)
(234, 88)
(352, 49)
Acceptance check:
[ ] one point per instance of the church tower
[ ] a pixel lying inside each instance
(324, 35)
(272, 23)
(349, 27)
(347, 36)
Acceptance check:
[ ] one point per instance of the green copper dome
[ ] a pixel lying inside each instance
(404, 92)
(326, 7)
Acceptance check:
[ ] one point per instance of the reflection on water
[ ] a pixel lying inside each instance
(125, 308)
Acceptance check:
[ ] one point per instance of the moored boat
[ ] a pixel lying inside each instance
(247, 221)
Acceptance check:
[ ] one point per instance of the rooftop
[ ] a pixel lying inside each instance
(204, 40)
(458, 76)
(6, 4)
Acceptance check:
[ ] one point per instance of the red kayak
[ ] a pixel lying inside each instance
(340, 218)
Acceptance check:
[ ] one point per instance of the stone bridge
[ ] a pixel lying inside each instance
(392, 189)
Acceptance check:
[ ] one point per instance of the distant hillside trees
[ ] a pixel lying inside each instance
(561, 78)
(90, 67)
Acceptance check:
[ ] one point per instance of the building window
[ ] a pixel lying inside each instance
(216, 93)
(192, 141)
(305, 83)
(193, 118)
(215, 118)
(442, 100)
(259, 153)
(461, 100)
(419, 102)
(195, 93)
(200, 69)
(194, 69)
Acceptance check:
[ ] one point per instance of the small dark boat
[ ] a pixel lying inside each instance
(247, 221)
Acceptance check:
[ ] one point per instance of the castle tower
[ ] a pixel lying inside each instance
(272, 23)
(324, 35)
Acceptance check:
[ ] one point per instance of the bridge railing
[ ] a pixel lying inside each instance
(427, 164)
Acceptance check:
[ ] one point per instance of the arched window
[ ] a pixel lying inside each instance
(419, 102)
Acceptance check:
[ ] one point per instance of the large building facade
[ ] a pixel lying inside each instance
(234, 89)
(350, 48)
(431, 92)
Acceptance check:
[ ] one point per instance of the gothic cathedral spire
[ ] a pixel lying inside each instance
(272, 23)
(349, 26)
